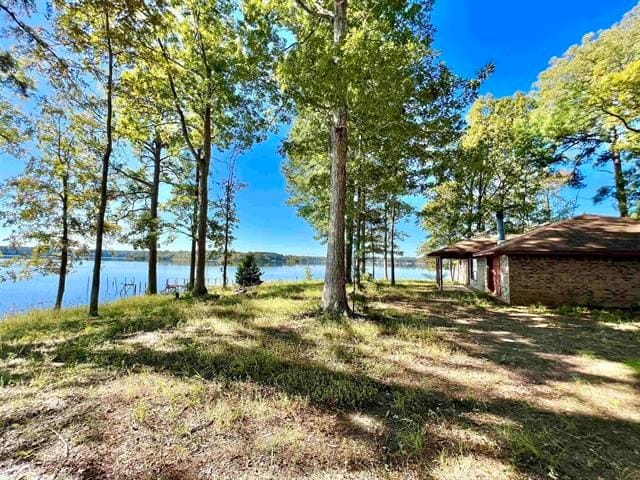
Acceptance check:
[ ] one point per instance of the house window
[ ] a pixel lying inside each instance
(474, 269)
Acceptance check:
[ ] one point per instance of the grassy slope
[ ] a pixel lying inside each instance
(422, 385)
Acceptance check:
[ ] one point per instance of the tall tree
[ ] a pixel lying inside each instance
(48, 205)
(225, 218)
(382, 75)
(99, 33)
(334, 295)
(182, 208)
(219, 75)
(148, 122)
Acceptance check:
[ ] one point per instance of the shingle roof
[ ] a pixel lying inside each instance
(582, 235)
(466, 248)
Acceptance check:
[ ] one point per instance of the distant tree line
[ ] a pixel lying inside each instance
(183, 256)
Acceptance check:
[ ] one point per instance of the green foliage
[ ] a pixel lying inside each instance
(308, 274)
(248, 273)
(501, 164)
(586, 103)
(53, 198)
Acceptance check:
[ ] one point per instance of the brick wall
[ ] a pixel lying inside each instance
(574, 281)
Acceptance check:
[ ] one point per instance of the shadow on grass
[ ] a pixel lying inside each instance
(540, 443)
(529, 342)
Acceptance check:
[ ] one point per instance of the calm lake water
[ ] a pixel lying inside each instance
(125, 278)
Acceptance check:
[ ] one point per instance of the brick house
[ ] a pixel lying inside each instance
(588, 260)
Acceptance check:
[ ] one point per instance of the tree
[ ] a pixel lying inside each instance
(512, 158)
(182, 208)
(219, 75)
(100, 33)
(384, 78)
(248, 273)
(48, 205)
(502, 166)
(588, 101)
(225, 219)
(148, 122)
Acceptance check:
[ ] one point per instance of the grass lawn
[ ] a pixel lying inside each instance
(422, 384)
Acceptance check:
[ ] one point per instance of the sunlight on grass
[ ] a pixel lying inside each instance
(423, 382)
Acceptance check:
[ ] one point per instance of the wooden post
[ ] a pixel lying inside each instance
(439, 273)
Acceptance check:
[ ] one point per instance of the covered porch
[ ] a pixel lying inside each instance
(458, 259)
(457, 268)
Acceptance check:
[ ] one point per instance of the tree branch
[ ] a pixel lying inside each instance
(131, 176)
(319, 10)
(621, 118)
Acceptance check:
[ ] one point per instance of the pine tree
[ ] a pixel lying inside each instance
(248, 273)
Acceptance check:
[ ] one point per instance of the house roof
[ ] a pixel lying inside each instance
(582, 235)
(466, 248)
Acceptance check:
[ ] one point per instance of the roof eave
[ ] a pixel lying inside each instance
(571, 253)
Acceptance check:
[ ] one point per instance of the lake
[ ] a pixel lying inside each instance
(126, 278)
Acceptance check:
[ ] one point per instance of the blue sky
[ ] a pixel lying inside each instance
(518, 37)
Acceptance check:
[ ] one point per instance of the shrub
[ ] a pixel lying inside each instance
(248, 273)
(308, 274)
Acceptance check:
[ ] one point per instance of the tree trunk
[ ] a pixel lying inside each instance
(392, 238)
(363, 247)
(620, 181)
(356, 249)
(64, 253)
(480, 216)
(192, 264)
(106, 157)
(225, 252)
(194, 233)
(225, 258)
(386, 246)
(200, 287)
(373, 258)
(362, 250)
(334, 295)
(349, 247)
(153, 212)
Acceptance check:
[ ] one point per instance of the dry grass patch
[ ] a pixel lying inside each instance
(421, 384)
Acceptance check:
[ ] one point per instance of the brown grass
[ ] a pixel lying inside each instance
(421, 384)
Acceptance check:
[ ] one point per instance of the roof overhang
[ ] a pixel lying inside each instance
(568, 253)
(444, 254)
